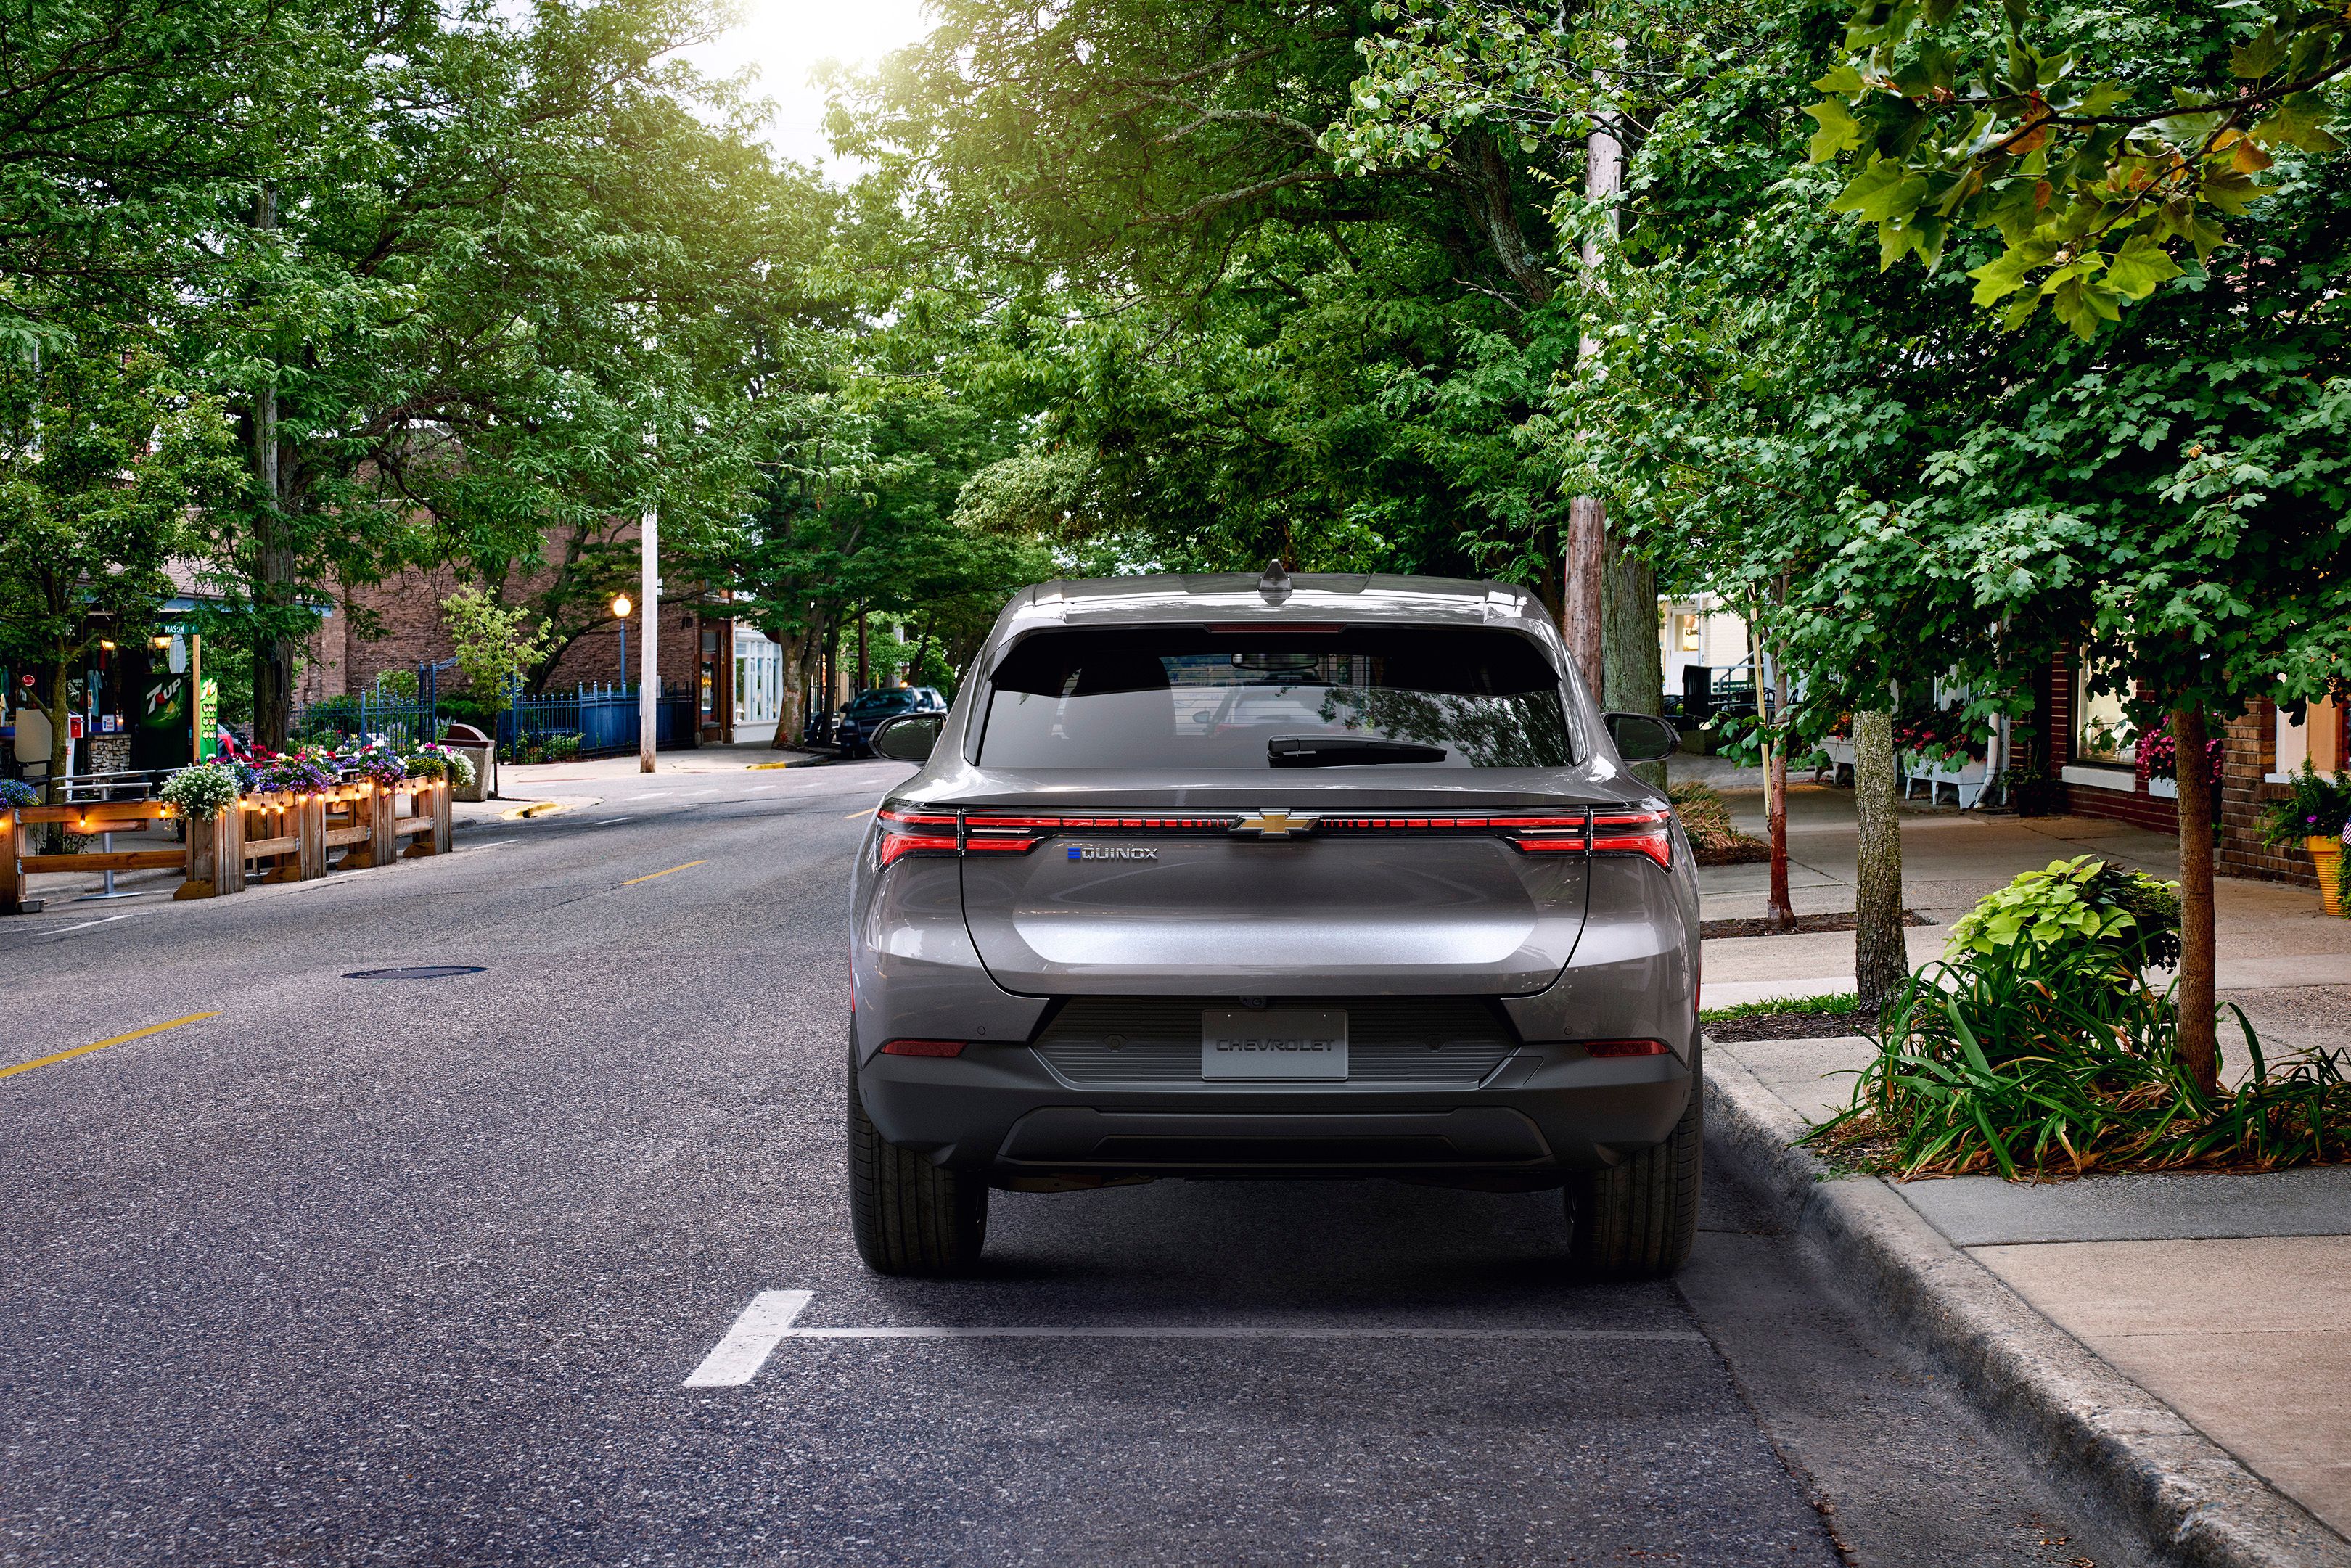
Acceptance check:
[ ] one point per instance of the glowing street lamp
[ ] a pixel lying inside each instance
(621, 607)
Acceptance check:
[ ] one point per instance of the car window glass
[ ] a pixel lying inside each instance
(1189, 697)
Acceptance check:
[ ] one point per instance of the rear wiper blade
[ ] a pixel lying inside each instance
(1345, 751)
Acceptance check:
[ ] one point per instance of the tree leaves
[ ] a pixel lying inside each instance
(2075, 173)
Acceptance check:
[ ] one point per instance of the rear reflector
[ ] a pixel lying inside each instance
(1619, 1047)
(923, 1048)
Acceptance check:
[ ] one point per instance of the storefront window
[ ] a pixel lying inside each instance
(2103, 731)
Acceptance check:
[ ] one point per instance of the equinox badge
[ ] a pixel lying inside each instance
(1110, 853)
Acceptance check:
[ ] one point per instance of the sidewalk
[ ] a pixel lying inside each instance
(2226, 1297)
(2272, 937)
(586, 778)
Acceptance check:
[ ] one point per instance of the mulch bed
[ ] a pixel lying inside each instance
(1743, 851)
(1710, 929)
(1791, 1026)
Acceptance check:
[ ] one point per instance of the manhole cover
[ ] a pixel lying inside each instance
(423, 972)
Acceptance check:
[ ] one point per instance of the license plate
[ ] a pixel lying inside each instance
(1253, 1043)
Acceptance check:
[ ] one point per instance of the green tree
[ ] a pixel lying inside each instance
(102, 457)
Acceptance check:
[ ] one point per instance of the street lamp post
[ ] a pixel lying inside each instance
(620, 614)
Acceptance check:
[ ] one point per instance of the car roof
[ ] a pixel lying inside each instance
(1239, 596)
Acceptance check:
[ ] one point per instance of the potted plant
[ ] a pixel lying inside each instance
(2314, 810)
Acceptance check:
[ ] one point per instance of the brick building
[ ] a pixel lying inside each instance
(2094, 754)
(396, 624)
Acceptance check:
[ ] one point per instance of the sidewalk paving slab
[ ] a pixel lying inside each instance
(2180, 1343)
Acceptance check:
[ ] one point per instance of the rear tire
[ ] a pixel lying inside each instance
(908, 1215)
(1636, 1219)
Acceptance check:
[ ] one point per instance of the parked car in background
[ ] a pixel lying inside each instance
(866, 711)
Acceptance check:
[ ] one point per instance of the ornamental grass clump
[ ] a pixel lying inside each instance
(202, 791)
(2038, 1048)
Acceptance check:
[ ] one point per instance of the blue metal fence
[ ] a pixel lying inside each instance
(603, 717)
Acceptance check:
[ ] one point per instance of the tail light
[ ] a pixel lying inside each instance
(1545, 835)
(1618, 1046)
(1004, 835)
(1646, 834)
(908, 833)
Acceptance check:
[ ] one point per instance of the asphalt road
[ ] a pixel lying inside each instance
(415, 1271)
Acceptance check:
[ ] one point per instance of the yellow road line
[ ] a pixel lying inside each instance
(651, 875)
(854, 815)
(101, 1045)
(764, 766)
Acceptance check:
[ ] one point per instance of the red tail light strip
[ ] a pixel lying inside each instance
(912, 833)
(908, 833)
(1646, 834)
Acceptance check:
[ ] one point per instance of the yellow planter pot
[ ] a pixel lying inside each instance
(2328, 853)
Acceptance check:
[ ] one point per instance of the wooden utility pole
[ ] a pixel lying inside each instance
(649, 635)
(1584, 570)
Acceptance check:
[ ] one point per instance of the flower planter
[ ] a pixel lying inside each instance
(1966, 780)
(2327, 855)
(2163, 788)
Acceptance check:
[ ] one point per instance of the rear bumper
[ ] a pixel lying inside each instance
(1547, 1111)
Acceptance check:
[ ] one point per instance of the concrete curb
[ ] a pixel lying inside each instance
(2185, 1496)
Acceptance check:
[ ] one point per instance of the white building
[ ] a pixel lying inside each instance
(1699, 631)
(758, 682)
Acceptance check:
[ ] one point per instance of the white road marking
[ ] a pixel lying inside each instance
(493, 844)
(768, 1320)
(740, 1356)
(103, 920)
(1235, 1331)
(609, 820)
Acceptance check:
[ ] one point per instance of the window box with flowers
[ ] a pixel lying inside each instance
(2158, 761)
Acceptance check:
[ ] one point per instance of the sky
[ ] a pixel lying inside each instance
(786, 39)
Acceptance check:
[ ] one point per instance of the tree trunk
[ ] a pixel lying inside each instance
(2199, 1047)
(1881, 960)
(273, 573)
(1632, 670)
(1584, 599)
(1780, 910)
(792, 718)
(864, 670)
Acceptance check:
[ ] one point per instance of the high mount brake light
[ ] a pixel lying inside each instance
(1646, 834)
(908, 833)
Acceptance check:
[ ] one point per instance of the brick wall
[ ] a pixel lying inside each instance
(2249, 743)
(396, 624)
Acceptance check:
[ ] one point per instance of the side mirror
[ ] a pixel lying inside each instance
(909, 737)
(1643, 738)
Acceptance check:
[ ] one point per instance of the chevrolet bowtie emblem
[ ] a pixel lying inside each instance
(1275, 822)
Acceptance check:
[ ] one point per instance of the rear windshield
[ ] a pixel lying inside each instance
(1186, 697)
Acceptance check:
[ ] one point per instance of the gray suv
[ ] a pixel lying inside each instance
(1223, 876)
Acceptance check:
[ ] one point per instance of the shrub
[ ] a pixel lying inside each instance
(205, 791)
(17, 792)
(2036, 1048)
(1706, 819)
